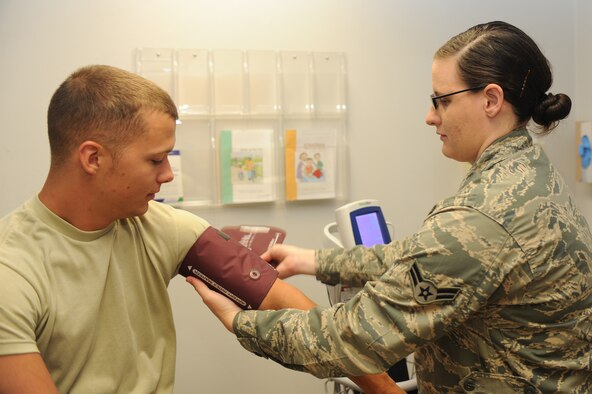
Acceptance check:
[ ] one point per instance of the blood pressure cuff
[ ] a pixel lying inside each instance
(229, 268)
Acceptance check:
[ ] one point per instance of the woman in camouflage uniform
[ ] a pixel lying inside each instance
(494, 292)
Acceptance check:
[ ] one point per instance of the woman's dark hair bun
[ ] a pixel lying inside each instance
(550, 110)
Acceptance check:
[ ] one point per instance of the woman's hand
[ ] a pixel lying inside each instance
(291, 260)
(224, 309)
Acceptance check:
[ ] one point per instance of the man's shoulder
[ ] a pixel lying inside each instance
(21, 245)
(163, 223)
(14, 221)
(162, 214)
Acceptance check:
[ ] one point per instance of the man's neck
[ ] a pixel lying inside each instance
(72, 199)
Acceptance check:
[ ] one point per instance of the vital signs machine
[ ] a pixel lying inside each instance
(362, 223)
(359, 223)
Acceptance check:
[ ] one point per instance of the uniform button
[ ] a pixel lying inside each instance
(254, 274)
(470, 385)
(529, 390)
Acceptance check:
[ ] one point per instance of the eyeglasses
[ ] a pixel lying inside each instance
(436, 98)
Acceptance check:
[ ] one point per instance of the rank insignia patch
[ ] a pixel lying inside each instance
(426, 292)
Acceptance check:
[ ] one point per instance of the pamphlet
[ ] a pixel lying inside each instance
(246, 166)
(310, 164)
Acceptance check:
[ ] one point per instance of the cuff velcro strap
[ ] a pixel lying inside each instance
(229, 268)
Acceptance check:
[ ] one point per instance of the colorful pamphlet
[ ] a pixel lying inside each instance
(310, 164)
(246, 166)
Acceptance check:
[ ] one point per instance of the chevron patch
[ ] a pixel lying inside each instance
(426, 292)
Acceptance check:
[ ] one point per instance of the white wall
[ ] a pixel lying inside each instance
(393, 155)
(583, 97)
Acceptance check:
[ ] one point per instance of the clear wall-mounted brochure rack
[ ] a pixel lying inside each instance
(255, 126)
(193, 82)
(157, 65)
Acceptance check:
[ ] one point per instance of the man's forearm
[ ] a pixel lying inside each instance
(283, 295)
(377, 384)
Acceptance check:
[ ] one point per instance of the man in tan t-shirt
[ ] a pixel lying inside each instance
(84, 265)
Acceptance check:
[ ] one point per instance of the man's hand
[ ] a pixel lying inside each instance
(291, 260)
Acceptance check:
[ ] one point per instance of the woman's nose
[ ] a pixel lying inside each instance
(432, 117)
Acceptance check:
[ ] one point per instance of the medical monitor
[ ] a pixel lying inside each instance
(369, 227)
(362, 223)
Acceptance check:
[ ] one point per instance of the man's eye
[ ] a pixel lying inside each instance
(156, 161)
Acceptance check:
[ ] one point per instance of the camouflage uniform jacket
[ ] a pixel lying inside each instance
(493, 293)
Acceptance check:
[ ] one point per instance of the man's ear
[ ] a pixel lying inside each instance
(91, 156)
(494, 99)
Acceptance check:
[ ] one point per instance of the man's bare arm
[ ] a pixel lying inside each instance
(25, 374)
(282, 295)
(377, 384)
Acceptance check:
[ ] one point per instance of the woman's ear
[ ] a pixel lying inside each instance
(90, 156)
(494, 99)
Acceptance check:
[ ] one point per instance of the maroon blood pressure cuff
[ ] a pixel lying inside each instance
(229, 268)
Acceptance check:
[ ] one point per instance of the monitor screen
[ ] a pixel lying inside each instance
(369, 228)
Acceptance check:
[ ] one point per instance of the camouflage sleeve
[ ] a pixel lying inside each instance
(356, 266)
(437, 279)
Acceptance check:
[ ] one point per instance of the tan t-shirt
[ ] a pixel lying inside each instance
(94, 304)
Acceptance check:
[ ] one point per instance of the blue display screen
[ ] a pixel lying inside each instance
(369, 229)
